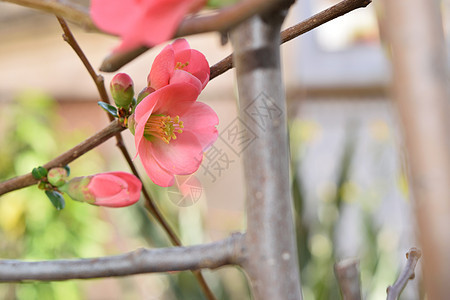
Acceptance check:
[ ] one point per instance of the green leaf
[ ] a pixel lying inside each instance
(56, 199)
(109, 108)
(39, 172)
(67, 170)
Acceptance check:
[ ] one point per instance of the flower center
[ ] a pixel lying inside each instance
(180, 66)
(163, 127)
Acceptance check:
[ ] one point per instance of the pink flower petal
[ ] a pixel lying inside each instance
(199, 115)
(197, 64)
(120, 199)
(106, 185)
(180, 76)
(201, 120)
(141, 115)
(152, 22)
(162, 68)
(180, 156)
(114, 16)
(115, 189)
(206, 136)
(134, 184)
(180, 45)
(173, 95)
(156, 173)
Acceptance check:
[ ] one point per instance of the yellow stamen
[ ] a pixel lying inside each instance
(180, 66)
(163, 127)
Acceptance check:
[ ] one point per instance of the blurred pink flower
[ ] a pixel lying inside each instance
(142, 22)
(113, 189)
(172, 130)
(176, 61)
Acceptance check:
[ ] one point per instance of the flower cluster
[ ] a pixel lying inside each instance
(172, 129)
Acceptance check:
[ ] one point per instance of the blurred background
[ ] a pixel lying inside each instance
(349, 174)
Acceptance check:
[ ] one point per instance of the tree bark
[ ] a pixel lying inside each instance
(270, 256)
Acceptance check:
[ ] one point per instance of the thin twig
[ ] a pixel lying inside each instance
(150, 204)
(290, 33)
(140, 261)
(394, 291)
(322, 17)
(98, 79)
(347, 273)
(153, 209)
(100, 137)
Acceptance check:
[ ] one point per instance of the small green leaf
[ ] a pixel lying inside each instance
(108, 107)
(67, 170)
(56, 199)
(39, 172)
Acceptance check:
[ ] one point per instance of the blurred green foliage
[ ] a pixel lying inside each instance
(317, 236)
(31, 228)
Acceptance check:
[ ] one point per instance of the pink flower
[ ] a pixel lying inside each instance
(113, 189)
(178, 60)
(172, 130)
(142, 22)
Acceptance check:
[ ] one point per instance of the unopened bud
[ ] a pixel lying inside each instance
(144, 93)
(122, 90)
(77, 189)
(131, 123)
(57, 176)
(113, 189)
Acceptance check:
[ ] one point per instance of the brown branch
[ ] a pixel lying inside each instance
(26, 180)
(226, 18)
(347, 273)
(140, 261)
(69, 10)
(98, 79)
(290, 33)
(322, 17)
(150, 205)
(394, 291)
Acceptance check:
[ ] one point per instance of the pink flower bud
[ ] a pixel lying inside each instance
(113, 189)
(122, 90)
